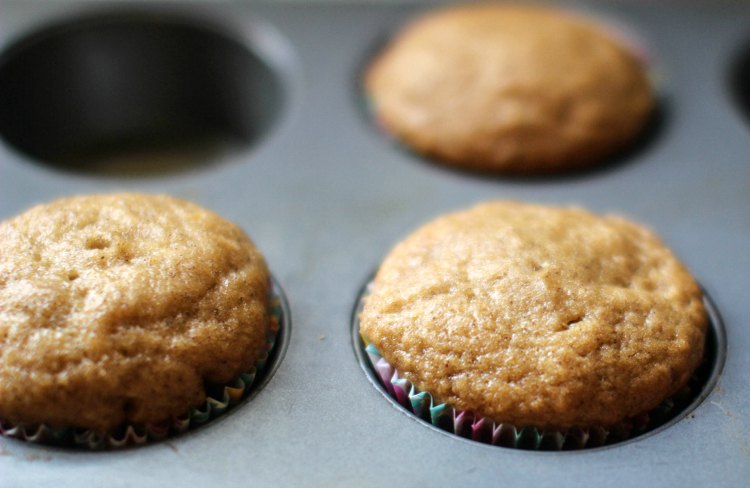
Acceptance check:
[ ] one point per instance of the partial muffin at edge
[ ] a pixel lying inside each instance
(537, 316)
(119, 308)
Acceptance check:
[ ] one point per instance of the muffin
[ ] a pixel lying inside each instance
(118, 310)
(533, 316)
(511, 89)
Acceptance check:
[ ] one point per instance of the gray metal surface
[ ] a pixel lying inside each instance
(325, 196)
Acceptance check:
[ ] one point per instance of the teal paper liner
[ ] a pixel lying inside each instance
(481, 429)
(219, 399)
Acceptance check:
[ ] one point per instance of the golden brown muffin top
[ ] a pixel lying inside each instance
(538, 316)
(514, 89)
(117, 308)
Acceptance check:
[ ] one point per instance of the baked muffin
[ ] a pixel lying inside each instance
(535, 316)
(119, 309)
(513, 89)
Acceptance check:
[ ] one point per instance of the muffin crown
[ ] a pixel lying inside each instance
(118, 308)
(538, 316)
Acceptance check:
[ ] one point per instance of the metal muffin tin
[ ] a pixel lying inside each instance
(324, 195)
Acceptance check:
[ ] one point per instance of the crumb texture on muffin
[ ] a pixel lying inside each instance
(514, 89)
(538, 316)
(119, 308)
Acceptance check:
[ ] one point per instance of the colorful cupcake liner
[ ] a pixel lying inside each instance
(219, 399)
(481, 429)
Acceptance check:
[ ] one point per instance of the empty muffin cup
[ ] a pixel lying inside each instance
(138, 93)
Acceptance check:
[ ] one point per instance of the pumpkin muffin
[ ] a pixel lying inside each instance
(513, 89)
(536, 316)
(119, 309)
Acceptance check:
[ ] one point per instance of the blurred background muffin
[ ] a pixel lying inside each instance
(509, 89)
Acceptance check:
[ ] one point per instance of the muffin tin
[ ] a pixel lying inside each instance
(324, 195)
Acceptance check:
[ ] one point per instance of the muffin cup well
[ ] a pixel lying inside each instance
(481, 429)
(220, 398)
(141, 91)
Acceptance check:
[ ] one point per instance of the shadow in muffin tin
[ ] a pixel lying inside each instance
(738, 79)
(137, 93)
(702, 384)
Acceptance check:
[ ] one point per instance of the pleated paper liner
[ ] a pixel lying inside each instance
(219, 399)
(474, 427)
(481, 429)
